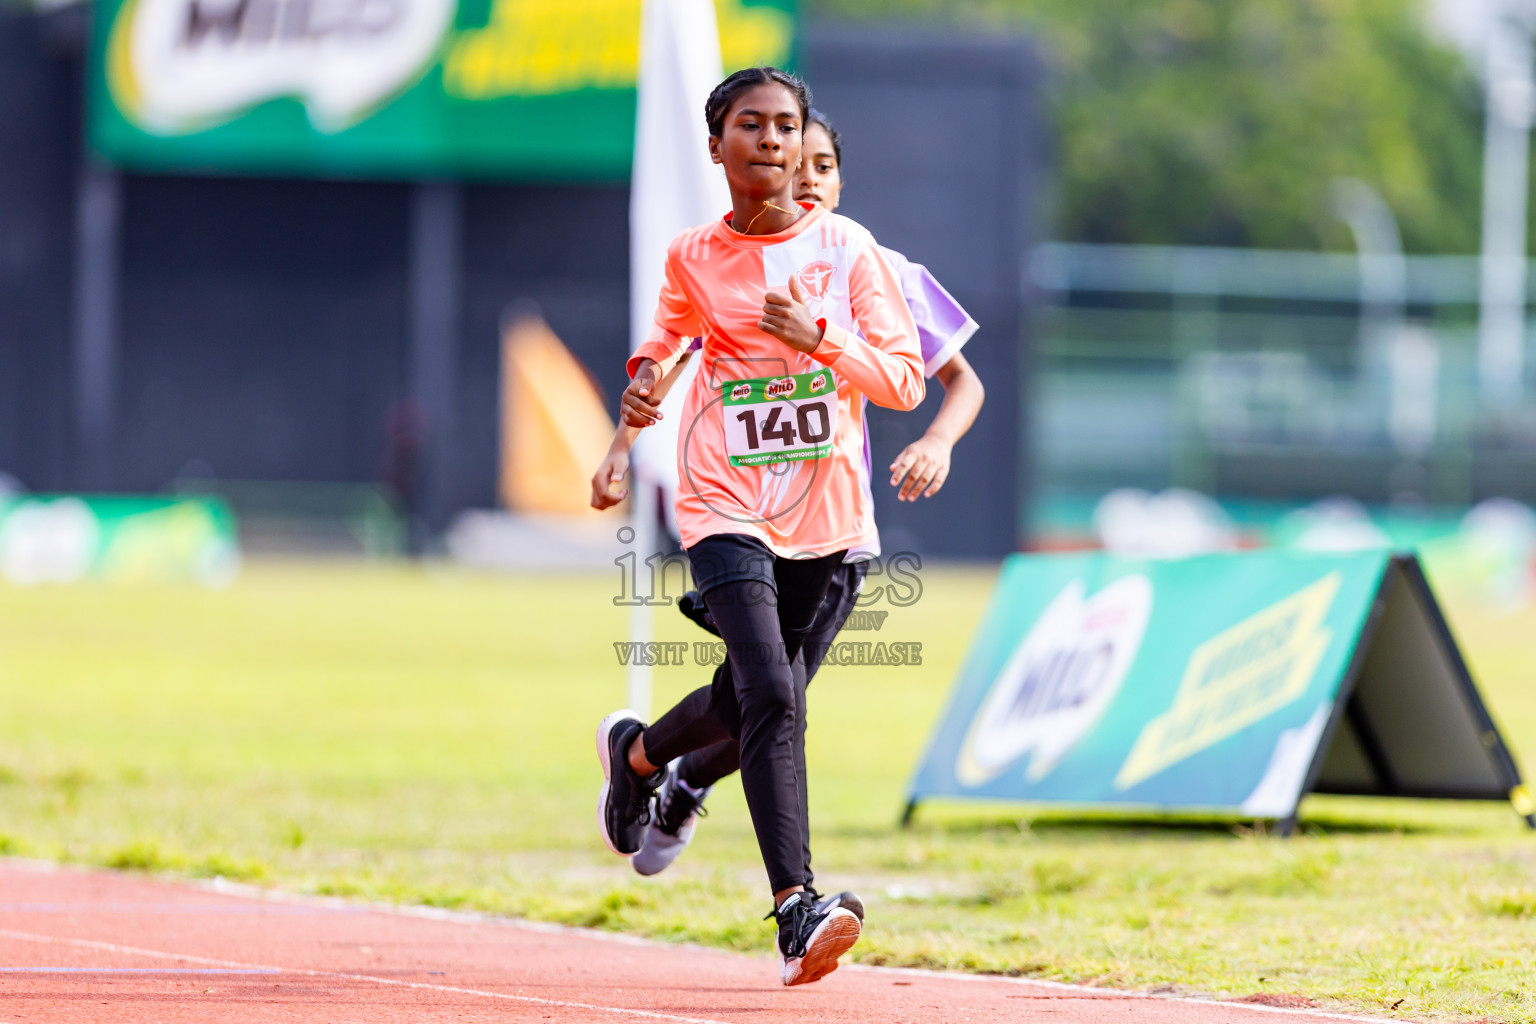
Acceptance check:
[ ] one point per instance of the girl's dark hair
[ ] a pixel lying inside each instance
(728, 91)
(818, 118)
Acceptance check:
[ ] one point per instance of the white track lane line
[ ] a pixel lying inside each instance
(112, 947)
(279, 896)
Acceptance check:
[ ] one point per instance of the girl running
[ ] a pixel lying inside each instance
(772, 495)
(943, 328)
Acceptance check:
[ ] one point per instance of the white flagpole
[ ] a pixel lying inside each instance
(641, 626)
(674, 186)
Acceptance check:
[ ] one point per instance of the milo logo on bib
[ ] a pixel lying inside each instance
(780, 419)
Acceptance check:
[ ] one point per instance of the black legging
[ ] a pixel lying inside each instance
(703, 768)
(757, 703)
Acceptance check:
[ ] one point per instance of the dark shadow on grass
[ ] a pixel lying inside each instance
(1194, 824)
(1091, 824)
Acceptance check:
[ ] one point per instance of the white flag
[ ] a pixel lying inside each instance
(674, 186)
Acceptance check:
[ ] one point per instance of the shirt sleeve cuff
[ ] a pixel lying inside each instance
(833, 340)
(653, 350)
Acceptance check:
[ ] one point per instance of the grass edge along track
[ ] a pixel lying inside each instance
(422, 735)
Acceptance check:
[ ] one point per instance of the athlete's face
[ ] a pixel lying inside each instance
(759, 145)
(819, 180)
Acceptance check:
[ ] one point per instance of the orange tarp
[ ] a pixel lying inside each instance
(555, 427)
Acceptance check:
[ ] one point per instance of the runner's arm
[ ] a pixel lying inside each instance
(888, 367)
(676, 322)
(615, 464)
(923, 466)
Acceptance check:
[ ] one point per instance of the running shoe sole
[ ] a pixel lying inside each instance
(604, 736)
(831, 939)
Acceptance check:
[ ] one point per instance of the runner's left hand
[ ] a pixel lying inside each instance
(606, 489)
(789, 319)
(925, 465)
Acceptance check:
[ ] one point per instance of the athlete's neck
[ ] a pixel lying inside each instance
(765, 216)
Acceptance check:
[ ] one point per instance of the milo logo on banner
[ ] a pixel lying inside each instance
(1236, 678)
(176, 66)
(1058, 681)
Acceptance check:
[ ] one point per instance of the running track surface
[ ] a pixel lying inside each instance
(94, 947)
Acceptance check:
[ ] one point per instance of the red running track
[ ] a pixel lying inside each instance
(101, 948)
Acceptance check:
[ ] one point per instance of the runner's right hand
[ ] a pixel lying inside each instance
(638, 407)
(788, 318)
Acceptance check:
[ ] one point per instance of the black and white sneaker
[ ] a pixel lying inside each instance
(624, 802)
(846, 900)
(678, 809)
(811, 939)
(692, 606)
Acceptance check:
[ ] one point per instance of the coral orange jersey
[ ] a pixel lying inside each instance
(716, 280)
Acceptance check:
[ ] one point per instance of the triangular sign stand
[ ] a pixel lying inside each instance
(1231, 683)
(1409, 721)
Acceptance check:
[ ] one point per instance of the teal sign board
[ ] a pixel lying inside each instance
(386, 88)
(1207, 682)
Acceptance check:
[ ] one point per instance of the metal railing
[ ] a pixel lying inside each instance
(1263, 374)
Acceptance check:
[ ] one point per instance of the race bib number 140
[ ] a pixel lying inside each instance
(780, 419)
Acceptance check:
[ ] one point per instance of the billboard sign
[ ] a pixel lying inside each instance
(1219, 682)
(386, 88)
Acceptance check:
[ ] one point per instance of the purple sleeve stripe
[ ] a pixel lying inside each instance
(943, 325)
(931, 364)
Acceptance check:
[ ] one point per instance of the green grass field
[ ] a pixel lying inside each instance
(425, 735)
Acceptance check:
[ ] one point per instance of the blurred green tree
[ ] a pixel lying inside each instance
(1222, 122)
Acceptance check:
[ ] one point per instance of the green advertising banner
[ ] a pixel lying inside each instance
(388, 88)
(69, 539)
(1218, 682)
